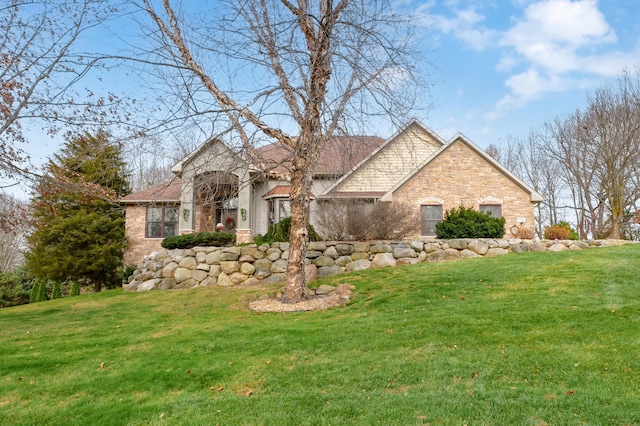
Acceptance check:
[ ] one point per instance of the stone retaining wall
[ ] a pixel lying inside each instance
(252, 264)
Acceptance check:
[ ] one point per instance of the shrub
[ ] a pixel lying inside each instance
(280, 232)
(199, 239)
(42, 292)
(75, 289)
(33, 295)
(466, 222)
(526, 233)
(573, 234)
(127, 271)
(559, 231)
(57, 291)
(15, 287)
(363, 220)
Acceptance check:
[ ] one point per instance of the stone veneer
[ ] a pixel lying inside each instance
(252, 264)
(460, 177)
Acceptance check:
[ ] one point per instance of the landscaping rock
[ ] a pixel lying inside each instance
(358, 265)
(384, 259)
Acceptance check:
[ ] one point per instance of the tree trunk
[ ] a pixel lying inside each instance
(299, 197)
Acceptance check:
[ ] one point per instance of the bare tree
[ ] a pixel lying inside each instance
(612, 127)
(40, 64)
(14, 227)
(293, 73)
(598, 150)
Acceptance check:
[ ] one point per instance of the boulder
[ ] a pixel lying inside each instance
(311, 272)
(383, 259)
(325, 271)
(468, 254)
(380, 248)
(182, 274)
(457, 243)
(496, 251)
(224, 280)
(199, 276)
(344, 249)
(325, 289)
(261, 273)
(331, 252)
(323, 261)
(279, 266)
(169, 270)
(316, 245)
(478, 247)
(343, 260)
(229, 266)
(358, 265)
(247, 268)
(400, 252)
(276, 278)
(188, 262)
(148, 285)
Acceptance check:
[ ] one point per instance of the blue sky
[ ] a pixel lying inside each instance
(503, 67)
(497, 68)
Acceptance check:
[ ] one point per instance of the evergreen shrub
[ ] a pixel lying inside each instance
(199, 239)
(280, 232)
(75, 289)
(466, 222)
(57, 291)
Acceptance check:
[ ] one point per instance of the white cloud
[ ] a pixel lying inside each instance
(466, 26)
(552, 33)
(557, 41)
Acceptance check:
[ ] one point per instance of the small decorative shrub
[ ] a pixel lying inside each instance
(199, 239)
(127, 271)
(466, 222)
(57, 291)
(35, 290)
(527, 233)
(75, 289)
(42, 292)
(280, 232)
(557, 232)
(573, 234)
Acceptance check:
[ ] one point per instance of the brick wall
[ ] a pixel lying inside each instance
(139, 246)
(461, 177)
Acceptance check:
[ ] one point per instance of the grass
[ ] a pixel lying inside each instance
(527, 339)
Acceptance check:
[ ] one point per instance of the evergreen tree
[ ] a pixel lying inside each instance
(42, 292)
(75, 289)
(33, 296)
(57, 291)
(79, 227)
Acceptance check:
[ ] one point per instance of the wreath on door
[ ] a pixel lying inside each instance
(230, 223)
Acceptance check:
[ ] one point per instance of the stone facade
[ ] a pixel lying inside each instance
(459, 176)
(252, 264)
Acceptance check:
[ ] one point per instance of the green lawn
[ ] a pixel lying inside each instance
(523, 339)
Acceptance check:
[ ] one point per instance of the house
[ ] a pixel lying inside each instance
(247, 193)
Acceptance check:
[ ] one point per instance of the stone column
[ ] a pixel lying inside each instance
(245, 193)
(187, 224)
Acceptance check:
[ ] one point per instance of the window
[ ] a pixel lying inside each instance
(285, 209)
(494, 209)
(162, 221)
(429, 216)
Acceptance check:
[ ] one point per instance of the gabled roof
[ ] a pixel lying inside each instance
(166, 192)
(338, 155)
(414, 122)
(179, 166)
(534, 196)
